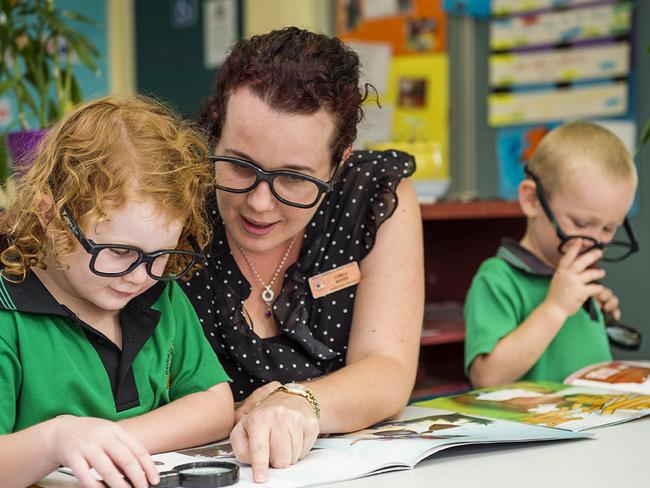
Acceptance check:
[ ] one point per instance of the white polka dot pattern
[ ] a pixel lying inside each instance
(313, 333)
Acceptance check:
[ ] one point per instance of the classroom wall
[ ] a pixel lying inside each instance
(155, 38)
(121, 47)
(264, 15)
(629, 279)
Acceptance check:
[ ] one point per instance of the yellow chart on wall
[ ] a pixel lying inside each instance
(418, 89)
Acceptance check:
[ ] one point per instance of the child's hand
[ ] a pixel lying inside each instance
(573, 281)
(82, 443)
(609, 303)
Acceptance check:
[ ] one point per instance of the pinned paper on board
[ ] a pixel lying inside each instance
(561, 27)
(375, 58)
(508, 7)
(564, 65)
(524, 107)
(219, 31)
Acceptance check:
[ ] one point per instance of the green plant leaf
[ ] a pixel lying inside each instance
(27, 65)
(84, 56)
(75, 91)
(53, 112)
(5, 85)
(72, 15)
(645, 134)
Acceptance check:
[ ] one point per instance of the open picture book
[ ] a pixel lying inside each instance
(598, 395)
(388, 446)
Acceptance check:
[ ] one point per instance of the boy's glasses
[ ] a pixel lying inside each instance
(613, 251)
(295, 189)
(114, 260)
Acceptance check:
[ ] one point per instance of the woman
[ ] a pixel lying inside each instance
(293, 202)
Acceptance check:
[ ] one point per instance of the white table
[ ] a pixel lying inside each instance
(618, 457)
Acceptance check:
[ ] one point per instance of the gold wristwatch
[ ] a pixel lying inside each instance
(303, 391)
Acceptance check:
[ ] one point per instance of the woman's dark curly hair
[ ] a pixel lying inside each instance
(293, 71)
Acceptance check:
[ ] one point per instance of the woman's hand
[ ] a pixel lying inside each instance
(254, 399)
(82, 443)
(277, 432)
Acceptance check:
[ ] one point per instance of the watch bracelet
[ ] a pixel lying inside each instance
(309, 396)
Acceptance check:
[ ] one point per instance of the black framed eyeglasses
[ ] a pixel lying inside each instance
(613, 251)
(114, 260)
(236, 175)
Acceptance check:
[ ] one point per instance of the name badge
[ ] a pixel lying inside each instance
(335, 279)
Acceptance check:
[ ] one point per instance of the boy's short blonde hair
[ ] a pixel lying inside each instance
(99, 155)
(579, 146)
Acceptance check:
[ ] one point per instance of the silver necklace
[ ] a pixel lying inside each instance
(267, 293)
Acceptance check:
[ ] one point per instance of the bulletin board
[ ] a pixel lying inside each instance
(548, 66)
(402, 47)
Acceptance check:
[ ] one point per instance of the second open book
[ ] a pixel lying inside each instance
(598, 395)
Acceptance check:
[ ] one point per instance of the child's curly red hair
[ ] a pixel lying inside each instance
(99, 155)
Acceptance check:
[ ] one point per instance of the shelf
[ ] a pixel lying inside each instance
(442, 333)
(480, 209)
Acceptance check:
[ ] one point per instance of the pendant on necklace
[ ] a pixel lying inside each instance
(267, 297)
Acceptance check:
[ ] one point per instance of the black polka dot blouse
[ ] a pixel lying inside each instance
(314, 333)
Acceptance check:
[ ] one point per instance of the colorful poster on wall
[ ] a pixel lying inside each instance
(410, 26)
(418, 88)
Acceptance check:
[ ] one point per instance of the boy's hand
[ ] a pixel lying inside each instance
(609, 303)
(82, 443)
(573, 281)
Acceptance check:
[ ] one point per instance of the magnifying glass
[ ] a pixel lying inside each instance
(622, 336)
(203, 474)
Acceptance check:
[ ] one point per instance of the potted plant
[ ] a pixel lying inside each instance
(39, 47)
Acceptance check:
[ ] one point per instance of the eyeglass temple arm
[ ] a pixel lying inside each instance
(83, 240)
(542, 200)
(195, 245)
(630, 232)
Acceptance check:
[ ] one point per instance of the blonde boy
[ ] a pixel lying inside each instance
(535, 311)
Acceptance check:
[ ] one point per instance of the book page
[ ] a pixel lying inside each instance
(548, 404)
(629, 376)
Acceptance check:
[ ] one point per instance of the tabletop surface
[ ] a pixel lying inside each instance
(618, 456)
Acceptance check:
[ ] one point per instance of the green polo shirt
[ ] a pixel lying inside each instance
(52, 363)
(505, 291)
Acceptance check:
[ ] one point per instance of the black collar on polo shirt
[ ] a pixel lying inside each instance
(137, 319)
(521, 258)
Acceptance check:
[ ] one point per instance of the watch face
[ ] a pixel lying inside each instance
(295, 388)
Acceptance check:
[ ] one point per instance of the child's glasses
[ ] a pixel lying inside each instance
(236, 175)
(613, 251)
(114, 260)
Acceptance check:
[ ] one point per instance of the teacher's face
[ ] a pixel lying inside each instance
(273, 140)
